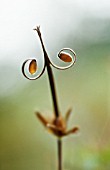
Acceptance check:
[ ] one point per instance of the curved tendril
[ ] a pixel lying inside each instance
(32, 78)
(65, 57)
(70, 65)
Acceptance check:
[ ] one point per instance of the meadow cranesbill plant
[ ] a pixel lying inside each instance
(58, 124)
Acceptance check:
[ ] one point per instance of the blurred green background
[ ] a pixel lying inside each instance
(83, 26)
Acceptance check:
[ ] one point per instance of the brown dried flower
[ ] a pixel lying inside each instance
(57, 126)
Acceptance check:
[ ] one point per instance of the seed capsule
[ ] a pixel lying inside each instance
(65, 57)
(33, 66)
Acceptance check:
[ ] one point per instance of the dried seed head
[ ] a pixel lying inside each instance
(65, 57)
(33, 66)
(56, 126)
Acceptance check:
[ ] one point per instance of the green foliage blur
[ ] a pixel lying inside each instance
(24, 143)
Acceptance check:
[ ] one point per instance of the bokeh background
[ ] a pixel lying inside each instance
(83, 26)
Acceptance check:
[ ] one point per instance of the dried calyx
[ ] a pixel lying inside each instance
(57, 126)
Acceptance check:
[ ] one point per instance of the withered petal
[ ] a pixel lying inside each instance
(41, 118)
(68, 114)
(73, 130)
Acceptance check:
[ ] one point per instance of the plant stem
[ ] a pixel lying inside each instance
(53, 92)
(50, 76)
(59, 142)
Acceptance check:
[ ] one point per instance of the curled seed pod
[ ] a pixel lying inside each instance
(33, 66)
(31, 70)
(65, 57)
(68, 56)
